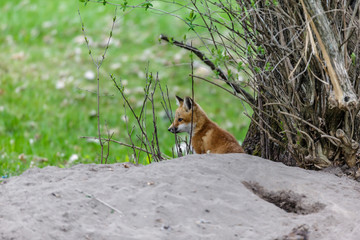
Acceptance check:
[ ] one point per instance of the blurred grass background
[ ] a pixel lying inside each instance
(47, 81)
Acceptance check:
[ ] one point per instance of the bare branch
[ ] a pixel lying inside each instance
(209, 63)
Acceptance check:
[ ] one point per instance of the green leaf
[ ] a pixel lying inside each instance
(268, 67)
(124, 5)
(240, 66)
(249, 50)
(229, 72)
(353, 58)
(281, 125)
(190, 20)
(260, 50)
(191, 15)
(253, 3)
(191, 27)
(84, 1)
(147, 4)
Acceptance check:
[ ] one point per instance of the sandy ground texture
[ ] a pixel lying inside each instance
(232, 196)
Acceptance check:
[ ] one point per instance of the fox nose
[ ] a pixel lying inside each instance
(172, 129)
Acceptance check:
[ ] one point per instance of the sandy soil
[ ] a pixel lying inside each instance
(233, 196)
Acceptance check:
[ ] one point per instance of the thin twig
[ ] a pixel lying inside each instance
(100, 201)
(136, 157)
(155, 135)
(108, 142)
(98, 65)
(350, 30)
(193, 101)
(307, 123)
(120, 143)
(138, 120)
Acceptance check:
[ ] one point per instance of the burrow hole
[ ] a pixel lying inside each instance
(287, 200)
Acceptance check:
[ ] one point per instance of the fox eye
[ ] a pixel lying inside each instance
(180, 119)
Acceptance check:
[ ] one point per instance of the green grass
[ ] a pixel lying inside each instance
(46, 103)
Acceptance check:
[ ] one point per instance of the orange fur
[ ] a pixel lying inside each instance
(207, 136)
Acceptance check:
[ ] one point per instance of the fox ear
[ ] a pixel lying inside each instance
(179, 100)
(188, 103)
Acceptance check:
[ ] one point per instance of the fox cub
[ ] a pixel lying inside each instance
(207, 136)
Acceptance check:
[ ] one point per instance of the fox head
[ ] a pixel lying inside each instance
(182, 120)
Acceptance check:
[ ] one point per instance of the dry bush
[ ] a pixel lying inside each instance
(301, 60)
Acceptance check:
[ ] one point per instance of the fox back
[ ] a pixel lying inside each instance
(206, 135)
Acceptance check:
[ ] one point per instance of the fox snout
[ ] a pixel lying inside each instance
(173, 129)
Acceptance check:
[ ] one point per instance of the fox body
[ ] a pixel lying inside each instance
(207, 136)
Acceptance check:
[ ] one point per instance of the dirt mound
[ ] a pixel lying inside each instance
(232, 196)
